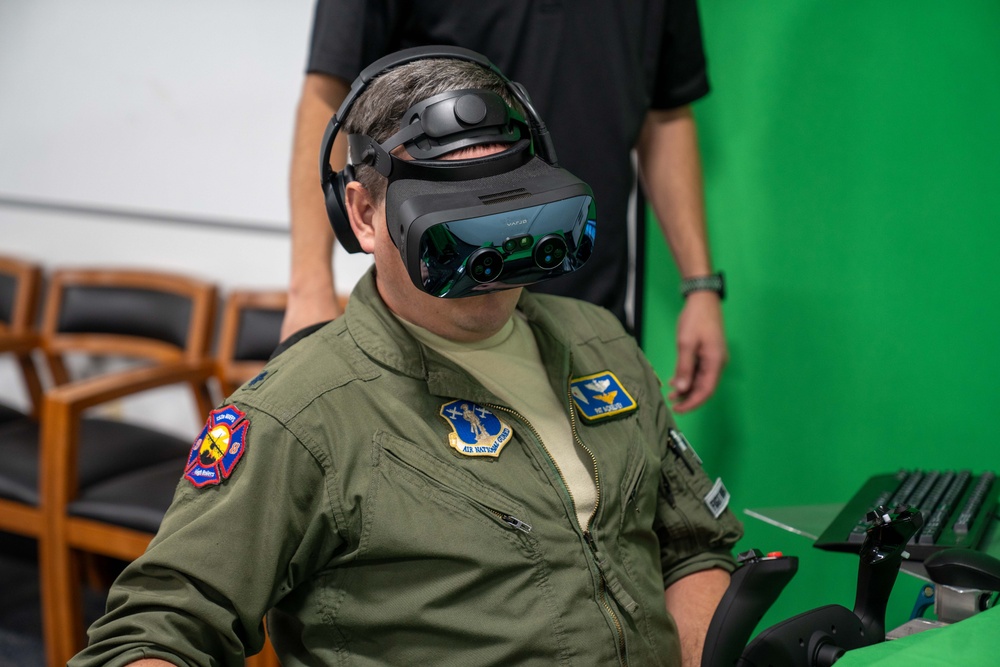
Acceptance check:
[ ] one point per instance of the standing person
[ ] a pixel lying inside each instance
(608, 77)
(490, 478)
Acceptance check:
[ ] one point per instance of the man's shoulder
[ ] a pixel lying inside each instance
(315, 365)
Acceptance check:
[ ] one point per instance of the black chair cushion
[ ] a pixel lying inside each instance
(259, 334)
(8, 295)
(136, 500)
(128, 311)
(8, 413)
(107, 448)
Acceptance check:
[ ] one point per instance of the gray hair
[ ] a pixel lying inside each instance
(380, 107)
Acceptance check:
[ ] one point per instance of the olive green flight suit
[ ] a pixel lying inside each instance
(375, 542)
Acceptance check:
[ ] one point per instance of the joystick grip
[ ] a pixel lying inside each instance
(753, 588)
(881, 555)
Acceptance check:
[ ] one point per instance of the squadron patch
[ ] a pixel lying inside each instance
(475, 430)
(600, 396)
(219, 447)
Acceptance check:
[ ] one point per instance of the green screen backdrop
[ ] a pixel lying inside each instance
(851, 154)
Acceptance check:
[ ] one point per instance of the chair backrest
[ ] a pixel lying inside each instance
(150, 315)
(250, 330)
(20, 288)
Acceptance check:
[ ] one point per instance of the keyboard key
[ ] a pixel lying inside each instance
(974, 502)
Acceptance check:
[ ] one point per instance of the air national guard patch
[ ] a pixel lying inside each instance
(600, 396)
(475, 430)
(219, 447)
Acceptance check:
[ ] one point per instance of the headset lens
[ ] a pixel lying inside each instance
(509, 249)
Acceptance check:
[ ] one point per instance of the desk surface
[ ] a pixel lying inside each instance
(810, 521)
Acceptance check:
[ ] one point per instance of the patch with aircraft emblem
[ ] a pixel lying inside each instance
(600, 396)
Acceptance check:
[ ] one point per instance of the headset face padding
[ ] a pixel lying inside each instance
(335, 183)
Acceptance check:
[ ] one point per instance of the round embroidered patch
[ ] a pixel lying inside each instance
(219, 448)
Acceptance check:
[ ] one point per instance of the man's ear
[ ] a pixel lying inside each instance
(361, 211)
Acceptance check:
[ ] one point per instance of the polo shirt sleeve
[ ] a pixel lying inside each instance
(224, 555)
(348, 35)
(682, 75)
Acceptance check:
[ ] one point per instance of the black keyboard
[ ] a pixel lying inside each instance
(957, 507)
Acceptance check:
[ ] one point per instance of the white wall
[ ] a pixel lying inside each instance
(170, 109)
(176, 106)
(179, 109)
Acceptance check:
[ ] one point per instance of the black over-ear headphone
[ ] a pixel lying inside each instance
(334, 183)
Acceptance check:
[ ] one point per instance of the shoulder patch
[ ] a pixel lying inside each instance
(600, 396)
(218, 448)
(475, 431)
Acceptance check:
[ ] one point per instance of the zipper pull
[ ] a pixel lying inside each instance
(516, 523)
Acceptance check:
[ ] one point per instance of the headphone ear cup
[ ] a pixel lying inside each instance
(336, 209)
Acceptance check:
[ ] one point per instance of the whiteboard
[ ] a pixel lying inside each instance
(179, 107)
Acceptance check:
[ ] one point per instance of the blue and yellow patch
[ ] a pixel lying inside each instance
(219, 447)
(475, 430)
(600, 396)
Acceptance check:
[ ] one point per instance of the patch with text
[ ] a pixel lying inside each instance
(219, 447)
(475, 430)
(600, 396)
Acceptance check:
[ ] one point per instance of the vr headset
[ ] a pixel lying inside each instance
(467, 227)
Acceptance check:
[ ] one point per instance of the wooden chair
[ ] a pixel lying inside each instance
(20, 288)
(20, 282)
(19, 516)
(105, 484)
(250, 330)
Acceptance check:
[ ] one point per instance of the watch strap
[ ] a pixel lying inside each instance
(711, 283)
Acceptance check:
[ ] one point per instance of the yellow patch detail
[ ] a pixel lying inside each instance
(608, 397)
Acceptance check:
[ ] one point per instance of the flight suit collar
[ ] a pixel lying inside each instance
(378, 333)
(381, 336)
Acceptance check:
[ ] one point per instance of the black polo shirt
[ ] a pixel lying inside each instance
(593, 68)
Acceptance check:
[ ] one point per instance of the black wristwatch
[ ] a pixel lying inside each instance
(712, 283)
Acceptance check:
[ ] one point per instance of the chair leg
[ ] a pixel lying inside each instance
(266, 658)
(62, 602)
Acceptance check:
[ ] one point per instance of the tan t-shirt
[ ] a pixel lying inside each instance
(509, 365)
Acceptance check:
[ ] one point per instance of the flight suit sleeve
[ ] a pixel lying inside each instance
(224, 555)
(691, 537)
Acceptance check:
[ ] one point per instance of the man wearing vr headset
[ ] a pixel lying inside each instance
(483, 476)
(609, 76)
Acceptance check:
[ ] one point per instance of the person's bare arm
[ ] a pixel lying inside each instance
(692, 602)
(670, 168)
(312, 295)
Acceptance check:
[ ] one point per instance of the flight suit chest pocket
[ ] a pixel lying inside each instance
(443, 509)
(638, 487)
(638, 493)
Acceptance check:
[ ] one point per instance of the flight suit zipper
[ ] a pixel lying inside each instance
(602, 570)
(619, 631)
(538, 437)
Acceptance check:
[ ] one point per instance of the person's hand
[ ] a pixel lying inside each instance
(701, 351)
(304, 310)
